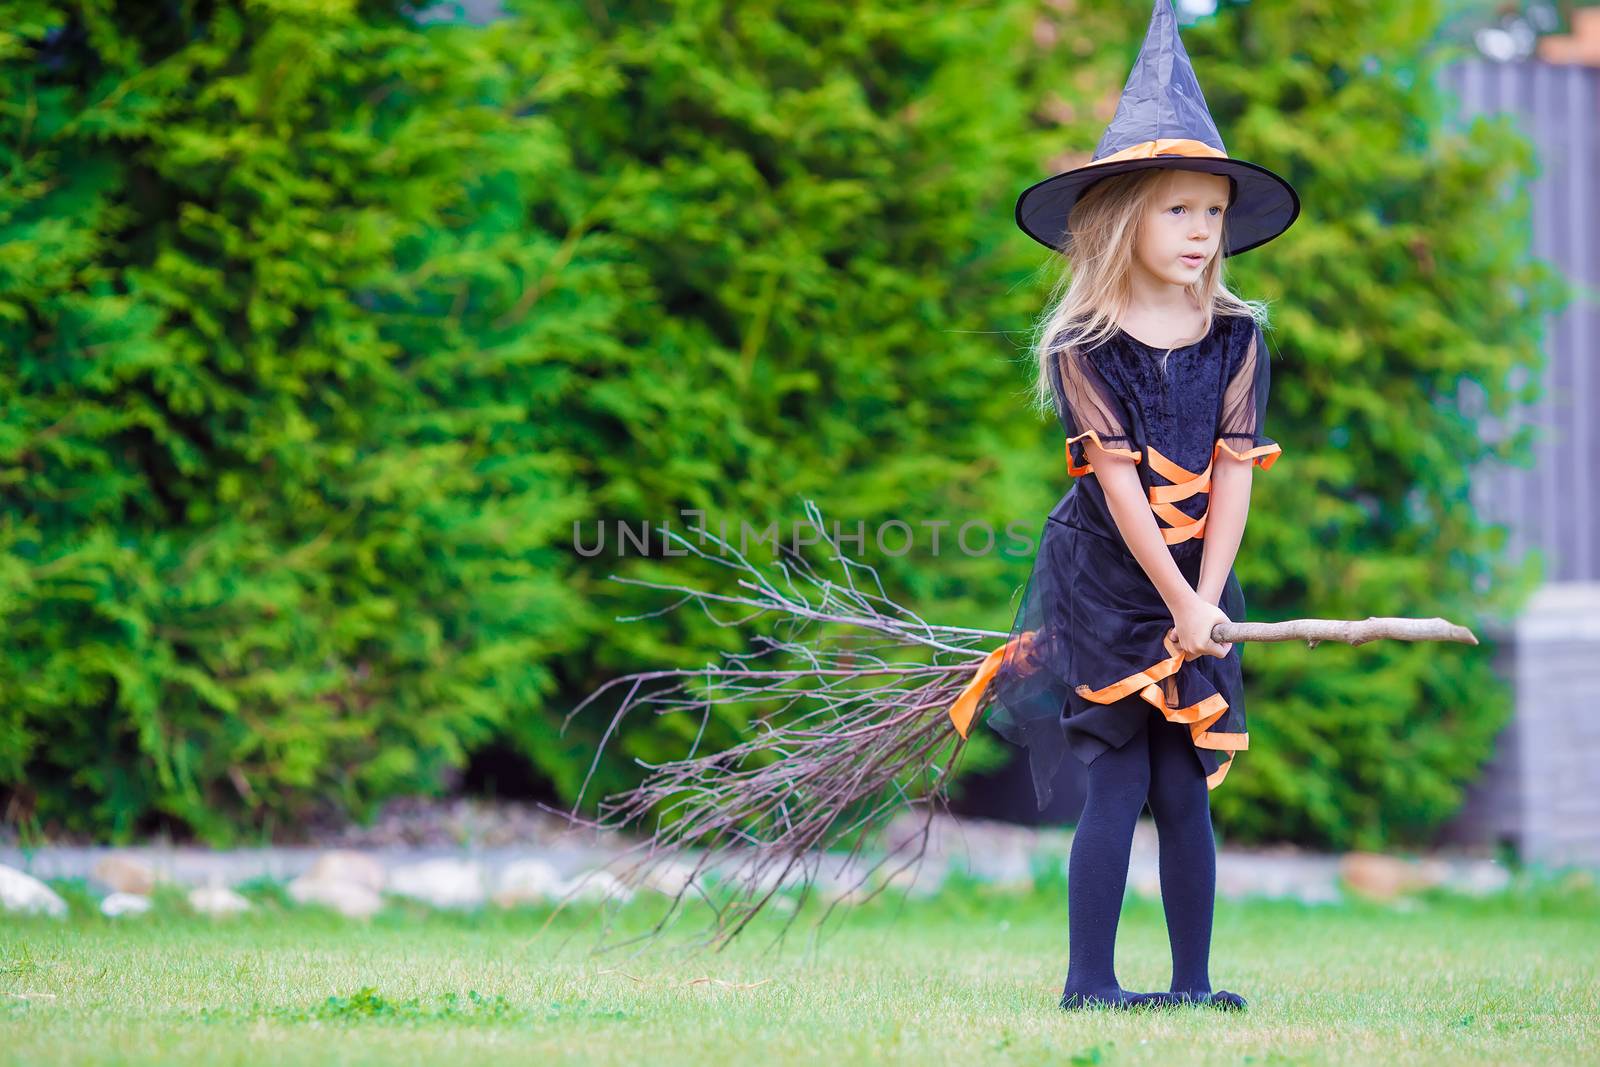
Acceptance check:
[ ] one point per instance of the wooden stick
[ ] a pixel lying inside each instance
(1347, 631)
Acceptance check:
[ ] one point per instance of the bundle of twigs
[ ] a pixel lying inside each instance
(860, 721)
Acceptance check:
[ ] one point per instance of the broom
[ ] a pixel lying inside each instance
(861, 722)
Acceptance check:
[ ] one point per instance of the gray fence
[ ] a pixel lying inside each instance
(1541, 793)
(1553, 507)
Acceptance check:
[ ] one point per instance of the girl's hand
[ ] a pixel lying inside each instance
(1192, 623)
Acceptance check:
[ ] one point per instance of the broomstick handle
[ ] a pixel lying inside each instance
(1311, 631)
(1348, 631)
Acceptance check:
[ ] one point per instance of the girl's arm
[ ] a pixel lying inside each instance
(1192, 616)
(1227, 511)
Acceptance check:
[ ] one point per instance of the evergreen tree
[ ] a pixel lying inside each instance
(258, 548)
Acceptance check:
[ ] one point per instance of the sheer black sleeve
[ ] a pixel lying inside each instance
(1087, 408)
(1241, 421)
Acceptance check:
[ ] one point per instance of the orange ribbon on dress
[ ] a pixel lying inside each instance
(1077, 471)
(1186, 483)
(1157, 685)
(966, 705)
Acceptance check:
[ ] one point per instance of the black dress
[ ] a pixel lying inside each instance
(1090, 650)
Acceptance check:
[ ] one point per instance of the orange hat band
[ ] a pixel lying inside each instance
(1163, 146)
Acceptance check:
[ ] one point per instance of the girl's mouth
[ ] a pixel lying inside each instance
(1193, 260)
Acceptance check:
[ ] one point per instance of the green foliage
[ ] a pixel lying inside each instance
(325, 328)
(257, 548)
(771, 259)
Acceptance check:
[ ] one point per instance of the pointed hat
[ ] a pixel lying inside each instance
(1162, 121)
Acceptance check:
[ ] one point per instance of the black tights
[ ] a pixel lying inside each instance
(1159, 765)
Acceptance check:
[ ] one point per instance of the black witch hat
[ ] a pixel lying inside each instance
(1162, 121)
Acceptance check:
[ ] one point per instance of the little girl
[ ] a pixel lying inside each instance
(1159, 376)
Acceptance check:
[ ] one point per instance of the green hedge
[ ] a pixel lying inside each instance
(277, 531)
(325, 327)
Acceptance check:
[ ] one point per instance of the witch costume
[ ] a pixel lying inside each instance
(1092, 648)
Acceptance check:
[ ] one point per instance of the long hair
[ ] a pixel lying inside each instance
(1092, 290)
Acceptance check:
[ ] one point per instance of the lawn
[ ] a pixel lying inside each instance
(969, 977)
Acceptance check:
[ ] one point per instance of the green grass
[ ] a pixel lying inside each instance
(971, 977)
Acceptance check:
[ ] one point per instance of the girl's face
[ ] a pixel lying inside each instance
(1182, 228)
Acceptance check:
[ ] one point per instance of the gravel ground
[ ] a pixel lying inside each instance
(495, 835)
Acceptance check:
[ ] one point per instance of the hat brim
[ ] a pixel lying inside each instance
(1264, 206)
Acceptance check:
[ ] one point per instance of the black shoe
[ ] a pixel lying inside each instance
(1117, 999)
(1220, 999)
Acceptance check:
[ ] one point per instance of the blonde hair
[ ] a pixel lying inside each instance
(1092, 289)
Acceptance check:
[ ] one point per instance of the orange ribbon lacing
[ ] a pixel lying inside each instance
(1186, 483)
